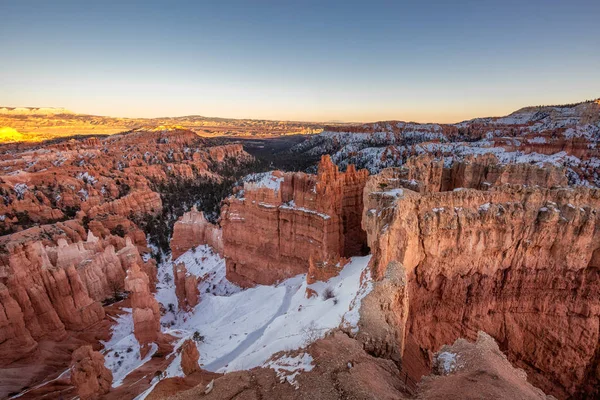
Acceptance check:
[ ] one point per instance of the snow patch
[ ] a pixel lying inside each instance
(262, 180)
(122, 352)
(447, 362)
(288, 368)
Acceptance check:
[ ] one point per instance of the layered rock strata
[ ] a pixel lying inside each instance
(285, 220)
(519, 262)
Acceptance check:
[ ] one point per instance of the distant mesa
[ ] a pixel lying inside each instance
(34, 111)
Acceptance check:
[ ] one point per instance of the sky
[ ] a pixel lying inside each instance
(424, 61)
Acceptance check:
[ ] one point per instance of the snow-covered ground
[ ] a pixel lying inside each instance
(239, 329)
(242, 329)
(122, 352)
(263, 180)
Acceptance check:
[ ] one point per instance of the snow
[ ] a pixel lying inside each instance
(243, 329)
(398, 192)
(287, 368)
(122, 352)
(537, 139)
(262, 180)
(447, 361)
(291, 206)
(20, 189)
(83, 194)
(87, 178)
(484, 207)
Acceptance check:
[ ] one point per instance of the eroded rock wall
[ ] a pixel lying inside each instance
(50, 289)
(287, 220)
(518, 262)
(192, 230)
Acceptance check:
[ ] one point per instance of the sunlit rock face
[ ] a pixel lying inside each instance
(89, 375)
(192, 230)
(285, 220)
(520, 262)
(52, 286)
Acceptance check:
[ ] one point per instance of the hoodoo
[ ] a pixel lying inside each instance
(89, 375)
(146, 314)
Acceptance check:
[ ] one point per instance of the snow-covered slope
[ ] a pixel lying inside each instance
(242, 329)
(239, 329)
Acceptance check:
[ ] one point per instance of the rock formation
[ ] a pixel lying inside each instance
(118, 175)
(15, 338)
(563, 136)
(284, 220)
(477, 370)
(192, 230)
(220, 153)
(54, 288)
(89, 375)
(189, 357)
(146, 313)
(72, 220)
(139, 202)
(186, 287)
(518, 262)
(340, 369)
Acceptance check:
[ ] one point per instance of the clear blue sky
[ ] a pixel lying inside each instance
(439, 61)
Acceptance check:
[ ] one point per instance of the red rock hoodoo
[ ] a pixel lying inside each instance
(146, 313)
(48, 290)
(189, 357)
(88, 373)
(186, 287)
(284, 220)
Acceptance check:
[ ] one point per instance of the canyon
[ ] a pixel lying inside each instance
(487, 260)
(412, 261)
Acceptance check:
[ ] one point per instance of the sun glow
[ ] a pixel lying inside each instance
(8, 134)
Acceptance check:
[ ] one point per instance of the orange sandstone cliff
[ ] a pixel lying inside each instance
(286, 220)
(192, 230)
(520, 262)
